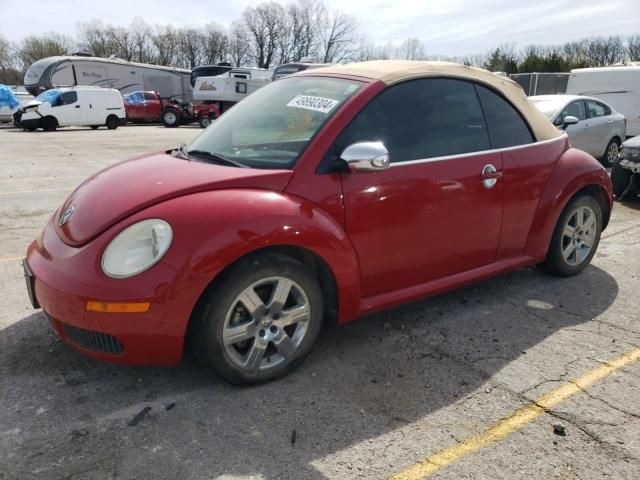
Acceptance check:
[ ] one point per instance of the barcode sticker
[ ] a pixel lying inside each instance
(317, 104)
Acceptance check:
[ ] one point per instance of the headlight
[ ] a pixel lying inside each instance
(137, 248)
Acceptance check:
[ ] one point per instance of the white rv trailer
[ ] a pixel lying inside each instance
(230, 87)
(125, 76)
(618, 86)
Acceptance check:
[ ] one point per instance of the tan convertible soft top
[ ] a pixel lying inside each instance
(395, 71)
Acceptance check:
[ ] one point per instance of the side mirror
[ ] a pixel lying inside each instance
(569, 120)
(366, 156)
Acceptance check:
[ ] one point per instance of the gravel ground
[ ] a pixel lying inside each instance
(375, 396)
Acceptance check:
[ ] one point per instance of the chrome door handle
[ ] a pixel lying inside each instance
(490, 176)
(609, 121)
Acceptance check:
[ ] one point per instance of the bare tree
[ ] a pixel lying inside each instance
(265, 25)
(191, 46)
(633, 48)
(9, 70)
(602, 52)
(33, 47)
(238, 44)
(338, 37)
(165, 43)
(301, 30)
(216, 44)
(95, 37)
(143, 48)
(411, 49)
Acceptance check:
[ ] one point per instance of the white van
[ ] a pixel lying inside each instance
(80, 106)
(618, 86)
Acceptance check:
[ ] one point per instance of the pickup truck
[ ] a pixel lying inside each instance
(149, 106)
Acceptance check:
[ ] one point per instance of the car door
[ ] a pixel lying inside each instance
(68, 110)
(430, 214)
(152, 106)
(580, 133)
(601, 126)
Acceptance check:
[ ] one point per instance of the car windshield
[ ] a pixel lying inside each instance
(548, 107)
(272, 127)
(50, 96)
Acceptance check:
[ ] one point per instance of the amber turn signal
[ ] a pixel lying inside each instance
(107, 307)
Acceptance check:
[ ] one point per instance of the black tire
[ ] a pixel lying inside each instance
(610, 155)
(112, 122)
(620, 178)
(221, 304)
(94, 127)
(555, 263)
(204, 121)
(49, 124)
(170, 118)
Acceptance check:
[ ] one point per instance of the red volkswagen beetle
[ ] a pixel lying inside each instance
(324, 196)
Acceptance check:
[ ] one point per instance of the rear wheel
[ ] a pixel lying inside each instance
(204, 121)
(620, 178)
(112, 122)
(611, 153)
(261, 322)
(575, 238)
(170, 118)
(49, 124)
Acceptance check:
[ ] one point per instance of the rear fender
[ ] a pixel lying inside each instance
(574, 171)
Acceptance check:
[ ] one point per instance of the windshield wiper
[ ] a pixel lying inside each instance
(180, 152)
(216, 157)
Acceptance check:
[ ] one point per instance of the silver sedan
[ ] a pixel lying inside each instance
(592, 125)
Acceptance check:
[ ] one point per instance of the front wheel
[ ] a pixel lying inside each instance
(261, 322)
(611, 153)
(204, 121)
(49, 124)
(575, 238)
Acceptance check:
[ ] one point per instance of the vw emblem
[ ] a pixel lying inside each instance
(66, 214)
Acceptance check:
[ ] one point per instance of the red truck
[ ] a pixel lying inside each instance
(149, 106)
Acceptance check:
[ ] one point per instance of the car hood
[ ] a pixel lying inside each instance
(633, 142)
(128, 187)
(31, 103)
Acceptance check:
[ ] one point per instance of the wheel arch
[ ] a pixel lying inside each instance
(575, 173)
(314, 262)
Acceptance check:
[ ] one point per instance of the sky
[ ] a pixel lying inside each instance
(446, 27)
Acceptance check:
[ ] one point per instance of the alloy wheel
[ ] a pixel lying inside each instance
(266, 324)
(612, 152)
(578, 235)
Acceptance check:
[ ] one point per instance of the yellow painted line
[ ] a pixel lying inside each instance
(25, 179)
(11, 259)
(36, 191)
(517, 420)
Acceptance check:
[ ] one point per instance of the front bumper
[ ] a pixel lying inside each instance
(27, 123)
(61, 279)
(630, 164)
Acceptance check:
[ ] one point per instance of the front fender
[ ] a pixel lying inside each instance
(214, 229)
(574, 171)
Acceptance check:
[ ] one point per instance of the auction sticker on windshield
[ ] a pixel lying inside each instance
(317, 104)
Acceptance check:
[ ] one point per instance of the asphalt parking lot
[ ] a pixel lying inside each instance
(523, 376)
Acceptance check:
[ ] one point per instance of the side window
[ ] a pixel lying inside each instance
(421, 119)
(67, 98)
(149, 96)
(574, 109)
(507, 128)
(597, 109)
